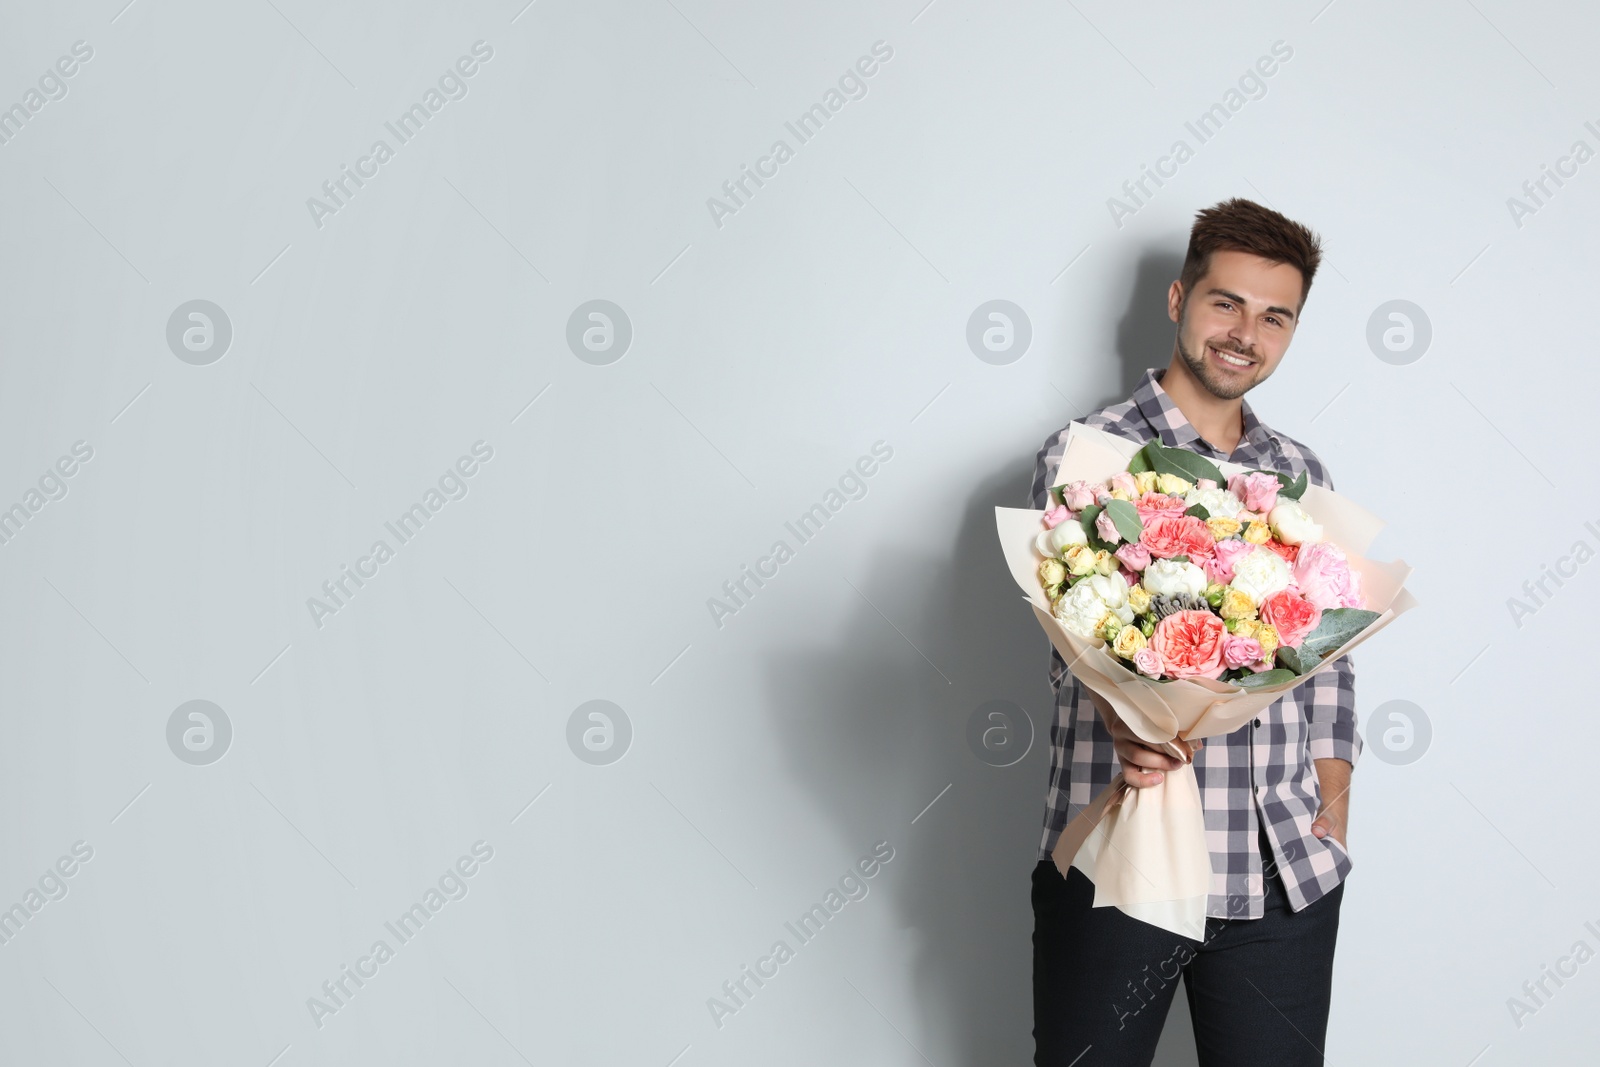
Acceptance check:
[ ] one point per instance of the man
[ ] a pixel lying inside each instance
(1275, 792)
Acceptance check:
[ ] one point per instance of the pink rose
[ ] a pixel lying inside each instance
(1056, 516)
(1240, 651)
(1134, 554)
(1259, 492)
(1219, 565)
(1151, 505)
(1106, 528)
(1178, 535)
(1206, 483)
(1125, 482)
(1078, 495)
(1292, 615)
(1131, 577)
(1148, 661)
(1190, 644)
(1323, 575)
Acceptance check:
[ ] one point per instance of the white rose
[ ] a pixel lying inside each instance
(1086, 604)
(1216, 501)
(1066, 534)
(1168, 577)
(1260, 574)
(1292, 525)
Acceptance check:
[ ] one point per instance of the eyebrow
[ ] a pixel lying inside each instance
(1237, 299)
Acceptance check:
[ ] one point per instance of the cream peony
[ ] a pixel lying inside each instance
(1065, 535)
(1292, 525)
(1166, 577)
(1085, 606)
(1260, 573)
(1216, 501)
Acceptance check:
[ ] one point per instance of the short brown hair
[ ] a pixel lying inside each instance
(1245, 226)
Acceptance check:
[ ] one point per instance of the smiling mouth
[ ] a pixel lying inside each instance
(1231, 359)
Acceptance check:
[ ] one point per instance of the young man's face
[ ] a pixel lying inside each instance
(1244, 306)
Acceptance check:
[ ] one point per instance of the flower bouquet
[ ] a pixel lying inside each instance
(1189, 595)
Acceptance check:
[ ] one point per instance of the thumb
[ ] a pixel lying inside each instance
(1320, 827)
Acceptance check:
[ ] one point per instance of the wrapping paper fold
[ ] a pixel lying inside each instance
(1145, 849)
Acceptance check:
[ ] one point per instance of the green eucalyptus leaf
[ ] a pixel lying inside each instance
(1140, 461)
(1183, 463)
(1290, 660)
(1199, 511)
(1295, 489)
(1276, 676)
(1126, 518)
(1338, 626)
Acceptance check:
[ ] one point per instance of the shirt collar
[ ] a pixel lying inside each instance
(1174, 428)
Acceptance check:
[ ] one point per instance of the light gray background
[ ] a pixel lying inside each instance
(829, 714)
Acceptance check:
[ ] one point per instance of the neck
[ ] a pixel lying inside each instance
(1219, 421)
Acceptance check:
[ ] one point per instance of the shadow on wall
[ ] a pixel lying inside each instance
(877, 720)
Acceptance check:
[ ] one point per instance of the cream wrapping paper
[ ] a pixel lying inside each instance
(1146, 849)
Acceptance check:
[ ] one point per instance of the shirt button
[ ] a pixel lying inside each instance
(1258, 722)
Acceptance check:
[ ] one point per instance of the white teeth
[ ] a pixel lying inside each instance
(1229, 357)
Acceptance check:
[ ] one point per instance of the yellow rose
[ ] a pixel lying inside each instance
(1268, 636)
(1146, 481)
(1257, 533)
(1129, 640)
(1236, 604)
(1052, 572)
(1222, 527)
(1139, 599)
(1079, 559)
(1120, 494)
(1244, 627)
(1171, 483)
(1106, 563)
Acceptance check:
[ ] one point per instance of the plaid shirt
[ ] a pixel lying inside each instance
(1263, 770)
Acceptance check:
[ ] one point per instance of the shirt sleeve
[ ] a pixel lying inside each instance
(1329, 700)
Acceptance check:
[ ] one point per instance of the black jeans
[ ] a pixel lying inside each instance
(1103, 981)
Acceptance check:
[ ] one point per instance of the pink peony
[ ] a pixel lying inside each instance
(1178, 535)
(1056, 516)
(1225, 553)
(1323, 575)
(1190, 644)
(1148, 661)
(1134, 555)
(1078, 495)
(1259, 492)
(1240, 651)
(1292, 615)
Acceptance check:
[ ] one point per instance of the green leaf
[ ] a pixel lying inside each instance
(1199, 511)
(1276, 676)
(1295, 489)
(1289, 659)
(1183, 463)
(1126, 518)
(1140, 461)
(1338, 626)
(1055, 493)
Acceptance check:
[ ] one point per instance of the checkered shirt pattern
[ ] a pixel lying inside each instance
(1263, 770)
